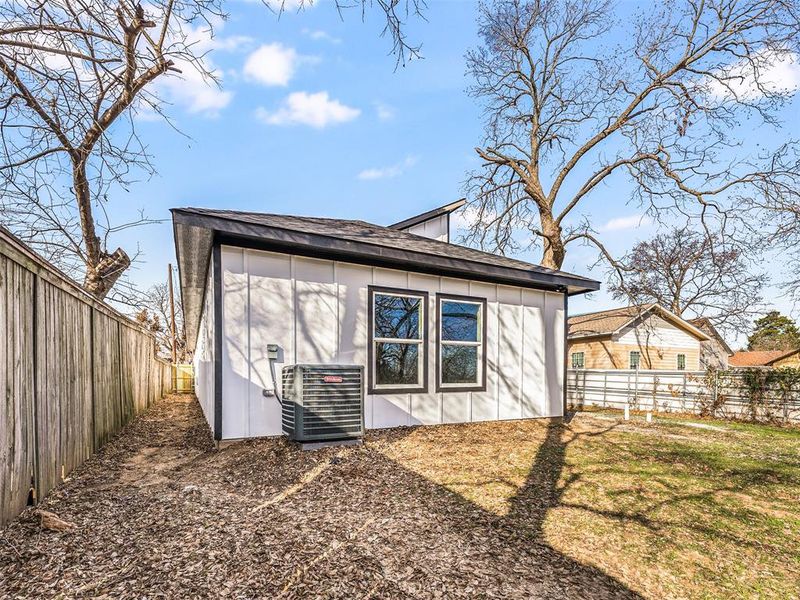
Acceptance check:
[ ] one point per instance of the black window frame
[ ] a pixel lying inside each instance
(482, 363)
(372, 388)
(678, 361)
(582, 355)
(638, 360)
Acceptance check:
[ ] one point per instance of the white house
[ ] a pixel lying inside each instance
(446, 333)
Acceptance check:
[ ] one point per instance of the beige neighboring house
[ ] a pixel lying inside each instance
(715, 353)
(634, 337)
(766, 358)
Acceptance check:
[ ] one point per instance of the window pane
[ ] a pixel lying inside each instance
(681, 362)
(460, 321)
(577, 360)
(397, 317)
(459, 364)
(396, 364)
(634, 360)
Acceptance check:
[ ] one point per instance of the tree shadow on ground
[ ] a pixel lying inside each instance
(514, 545)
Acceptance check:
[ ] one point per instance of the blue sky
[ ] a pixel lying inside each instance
(312, 118)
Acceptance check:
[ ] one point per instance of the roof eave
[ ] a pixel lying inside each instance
(431, 214)
(353, 250)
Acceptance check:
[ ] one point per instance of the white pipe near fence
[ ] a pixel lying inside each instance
(720, 394)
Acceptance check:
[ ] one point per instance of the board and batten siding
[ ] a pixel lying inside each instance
(203, 359)
(316, 312)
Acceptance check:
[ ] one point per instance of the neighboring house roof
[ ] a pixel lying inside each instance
(759, 358)
(613, 321)
(704, 325)
(430, 215)
(346, 240)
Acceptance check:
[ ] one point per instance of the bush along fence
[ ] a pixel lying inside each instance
(73, 371)
(765, 395)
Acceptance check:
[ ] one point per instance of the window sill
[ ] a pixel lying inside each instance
(391, 391)
(453, 389)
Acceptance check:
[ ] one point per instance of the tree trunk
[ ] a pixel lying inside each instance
(100, 278)
(554, 248)
(102, 269)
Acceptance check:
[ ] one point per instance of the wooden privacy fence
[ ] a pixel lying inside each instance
(724, 394)
(73, 371)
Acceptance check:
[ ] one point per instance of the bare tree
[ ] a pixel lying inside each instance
(566, 113)
(686, 273)
(72, 75)
(780, 219)
(155, 315)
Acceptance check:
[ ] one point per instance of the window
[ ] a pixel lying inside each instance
(398, 334)
(681, 362)
(461, 347)
(577, 360)
(634, 360)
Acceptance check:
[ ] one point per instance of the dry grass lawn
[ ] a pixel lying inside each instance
(596, 508)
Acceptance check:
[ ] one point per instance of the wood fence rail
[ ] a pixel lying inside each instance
(721, 394)
(73, 371)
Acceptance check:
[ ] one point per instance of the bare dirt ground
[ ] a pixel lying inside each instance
(160, 513)
(593, 508)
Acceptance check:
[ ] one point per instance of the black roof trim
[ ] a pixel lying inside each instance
(292, 240)
(431, 214)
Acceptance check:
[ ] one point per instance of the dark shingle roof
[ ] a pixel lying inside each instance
(377, 235)
(198, 229)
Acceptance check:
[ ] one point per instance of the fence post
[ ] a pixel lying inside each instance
(685, 399)
(716, 394)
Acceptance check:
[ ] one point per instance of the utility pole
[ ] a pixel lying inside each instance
(172, 315)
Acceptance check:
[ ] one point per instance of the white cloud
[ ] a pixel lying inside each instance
(301, 108)
(777, 75)
(318, 35)
(285, 5)
(390, 171)
(271, 64)
(384, 111)
(196, 94)
(190, 88)
(464, 218)
(232, 43)
(629, 222)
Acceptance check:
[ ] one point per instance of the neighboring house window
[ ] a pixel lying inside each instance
(635, 360)
(461, 347)
(398, 349)
(681, 362)
(577, 360)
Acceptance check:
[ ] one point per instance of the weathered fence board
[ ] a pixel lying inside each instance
(73, 371)
(17, 437)
(721, 394)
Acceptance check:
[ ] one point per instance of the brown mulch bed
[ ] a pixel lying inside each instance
(160, 513)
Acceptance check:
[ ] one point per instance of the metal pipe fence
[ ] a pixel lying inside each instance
(724, 394)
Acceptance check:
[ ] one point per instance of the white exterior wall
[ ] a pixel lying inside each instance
(203, 360)
(435, 229)
(316, 311)
(663, 334)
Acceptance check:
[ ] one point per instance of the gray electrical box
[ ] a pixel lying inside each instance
(272, 351)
